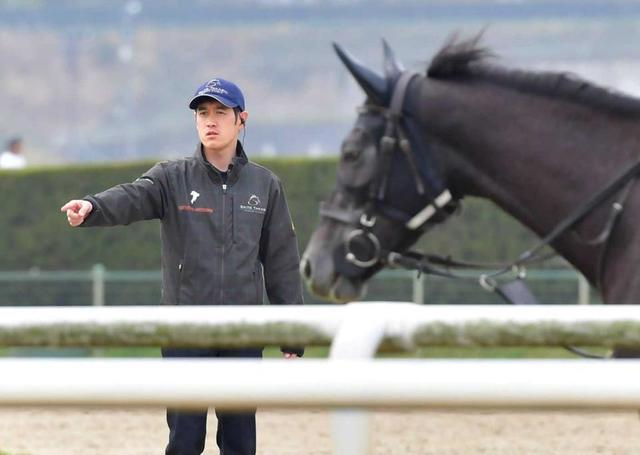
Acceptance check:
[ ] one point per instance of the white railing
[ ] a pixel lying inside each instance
(356, 383)
(347, 380)
(399, 326)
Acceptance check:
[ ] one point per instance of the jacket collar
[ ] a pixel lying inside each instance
(237, 162)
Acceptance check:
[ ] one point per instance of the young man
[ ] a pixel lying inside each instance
(226, 233)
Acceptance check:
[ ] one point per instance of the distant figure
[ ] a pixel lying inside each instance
(12, 157)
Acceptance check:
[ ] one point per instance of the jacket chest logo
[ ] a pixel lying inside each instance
(253, 205)
(189, 208)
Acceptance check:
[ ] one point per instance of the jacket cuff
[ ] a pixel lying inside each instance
(87, 221)
(292, 350)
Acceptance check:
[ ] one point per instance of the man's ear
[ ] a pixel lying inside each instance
(244, 115)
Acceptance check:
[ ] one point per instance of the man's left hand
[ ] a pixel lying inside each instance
(290, 355)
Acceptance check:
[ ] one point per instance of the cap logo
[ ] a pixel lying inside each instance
(213, 86)
(222, 90)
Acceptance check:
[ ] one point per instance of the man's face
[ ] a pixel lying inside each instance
(217, 126)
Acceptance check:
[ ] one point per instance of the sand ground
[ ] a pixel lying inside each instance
(107, 431)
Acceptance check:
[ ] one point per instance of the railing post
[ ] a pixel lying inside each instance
(584, 290)
(418, 288)
(358, 338)
(97, 279)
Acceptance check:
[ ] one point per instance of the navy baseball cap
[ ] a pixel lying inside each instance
(221, 90)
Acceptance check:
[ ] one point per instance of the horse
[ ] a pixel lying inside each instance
(557, 152)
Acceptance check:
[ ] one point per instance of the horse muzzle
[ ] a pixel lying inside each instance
(322, 278)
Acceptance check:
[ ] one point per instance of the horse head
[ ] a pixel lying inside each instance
(387, 194)
(539, 145)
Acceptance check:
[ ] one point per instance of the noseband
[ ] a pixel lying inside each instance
(394, 140)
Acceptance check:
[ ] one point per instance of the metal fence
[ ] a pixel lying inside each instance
(99, 286)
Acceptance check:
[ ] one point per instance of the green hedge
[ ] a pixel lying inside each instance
(33, 232)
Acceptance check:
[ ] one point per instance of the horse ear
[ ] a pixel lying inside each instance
(374, 85)
(392, 67)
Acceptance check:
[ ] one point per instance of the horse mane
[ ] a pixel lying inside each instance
(467, 59)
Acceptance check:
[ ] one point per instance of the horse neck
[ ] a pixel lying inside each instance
(536, 158)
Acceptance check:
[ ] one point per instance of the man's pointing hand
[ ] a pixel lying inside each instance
(77, 210)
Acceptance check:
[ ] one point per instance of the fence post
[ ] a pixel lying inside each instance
(418, 288)
(359, 336)
(97, 279)
(584, 290)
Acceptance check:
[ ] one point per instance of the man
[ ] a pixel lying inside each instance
(225, 228)
(12, 157)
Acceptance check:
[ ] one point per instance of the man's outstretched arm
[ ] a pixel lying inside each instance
(123, 204)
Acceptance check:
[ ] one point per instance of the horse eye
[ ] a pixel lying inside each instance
(350, 154)
(354, 144)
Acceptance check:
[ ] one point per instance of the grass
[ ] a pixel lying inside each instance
(496, 353)
(317, 352)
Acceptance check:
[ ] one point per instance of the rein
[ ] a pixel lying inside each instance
(424, 263)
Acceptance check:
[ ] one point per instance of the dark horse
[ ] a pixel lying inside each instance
(538, 144)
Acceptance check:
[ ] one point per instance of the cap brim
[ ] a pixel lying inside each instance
(198, 99)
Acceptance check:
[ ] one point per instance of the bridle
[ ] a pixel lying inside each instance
(441, 203)
(369, 223)
(395, 140)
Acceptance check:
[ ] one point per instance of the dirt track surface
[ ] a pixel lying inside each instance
(68, 431)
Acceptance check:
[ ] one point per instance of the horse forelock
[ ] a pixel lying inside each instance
(467, 59)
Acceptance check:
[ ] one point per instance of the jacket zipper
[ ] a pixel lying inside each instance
(180, 267)
(224, 194)
(233, 219)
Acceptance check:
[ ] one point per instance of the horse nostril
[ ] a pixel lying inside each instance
(305, 267)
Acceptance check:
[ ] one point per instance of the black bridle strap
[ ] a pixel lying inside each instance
(395, 113)
(421, 262)
(405, 148)
(395, 138)
(581, 212)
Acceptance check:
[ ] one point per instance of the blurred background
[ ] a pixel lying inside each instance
(108, 80)
(98, 91)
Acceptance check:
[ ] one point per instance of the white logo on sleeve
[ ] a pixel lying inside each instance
(194, 195)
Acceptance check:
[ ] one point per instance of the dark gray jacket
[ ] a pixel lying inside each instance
(220, 242)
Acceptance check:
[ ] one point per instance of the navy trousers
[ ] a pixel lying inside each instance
(236, 433)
